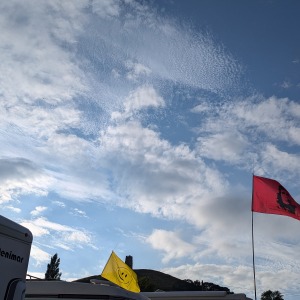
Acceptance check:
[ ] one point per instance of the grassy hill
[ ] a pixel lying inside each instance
(151, 280)
(159, 280)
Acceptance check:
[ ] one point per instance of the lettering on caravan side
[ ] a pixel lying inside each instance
(10, 255)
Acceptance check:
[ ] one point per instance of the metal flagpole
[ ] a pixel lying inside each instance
(253, 260)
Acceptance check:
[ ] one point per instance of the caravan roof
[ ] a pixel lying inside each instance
(195, 295)
(46, 290)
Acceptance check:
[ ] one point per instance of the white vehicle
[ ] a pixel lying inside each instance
(47, 290)
(15, 244)
(195, 295)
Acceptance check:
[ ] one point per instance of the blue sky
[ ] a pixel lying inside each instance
(135, 126)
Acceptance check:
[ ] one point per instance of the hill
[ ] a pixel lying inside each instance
(151, 280)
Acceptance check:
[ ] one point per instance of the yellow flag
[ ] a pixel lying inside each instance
(120, 273)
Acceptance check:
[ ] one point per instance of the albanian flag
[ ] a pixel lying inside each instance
(270, 197)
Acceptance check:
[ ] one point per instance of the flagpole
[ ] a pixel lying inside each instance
(253, 259)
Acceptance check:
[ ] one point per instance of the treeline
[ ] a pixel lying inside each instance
(148, 285)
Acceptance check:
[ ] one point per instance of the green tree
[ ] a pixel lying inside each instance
(52, 272)
(146, 285)
(270, 295)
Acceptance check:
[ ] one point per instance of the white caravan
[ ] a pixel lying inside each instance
(48, 290)
(195, 295)
(15, 244)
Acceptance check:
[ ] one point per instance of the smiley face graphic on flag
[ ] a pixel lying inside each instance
(125, 276)
(120, 273)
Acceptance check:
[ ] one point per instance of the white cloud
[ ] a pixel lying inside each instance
(137, 32)
(141, 98)
(31, 51)
(35, 229)
(62, 245)
(200, 108)
(153, 176)
(36, 128)
(254, 120)
(170, 243)
(136, 70)
(44, 223)
(78, 237)
(227, 146)
(247, 133)
(38, 210)
(78, 212)
(278, 162)
(115, 73)
(92, 186)
(278, 119)
(68, 147)
(62, 236)
(200, 64)
(20, 176)
(60, 162)
(39, 255)
(106, 8)
(59, 203)
(42, 105)
(37, 106)
(14, 209)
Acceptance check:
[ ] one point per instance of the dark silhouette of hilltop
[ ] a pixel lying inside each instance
(151, 280)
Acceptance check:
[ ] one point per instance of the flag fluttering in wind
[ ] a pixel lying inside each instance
(270, 197)
(120, 273)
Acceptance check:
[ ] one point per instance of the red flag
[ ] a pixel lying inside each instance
(270, 197)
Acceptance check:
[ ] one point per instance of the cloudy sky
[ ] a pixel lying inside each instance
(135, 126)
